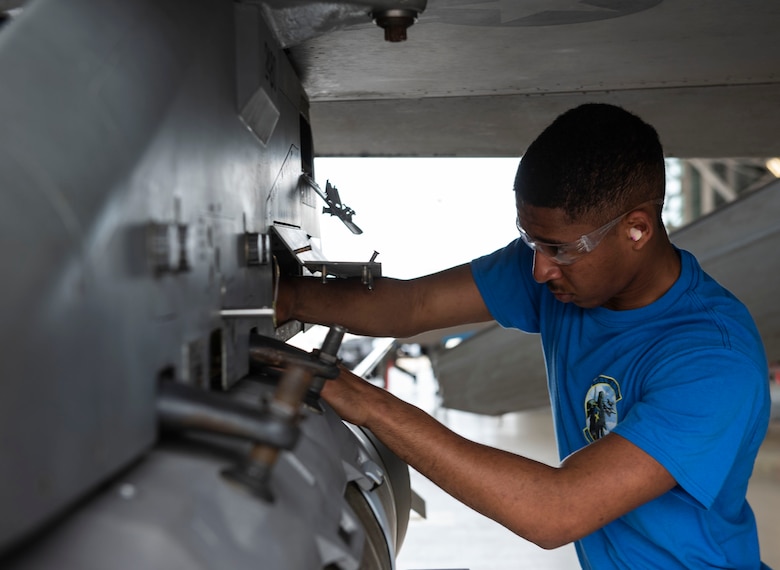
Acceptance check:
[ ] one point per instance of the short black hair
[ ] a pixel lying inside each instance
(594, 161)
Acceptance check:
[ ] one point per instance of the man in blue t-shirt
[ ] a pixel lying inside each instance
(657, 375)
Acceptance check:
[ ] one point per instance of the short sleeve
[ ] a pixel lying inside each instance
(505, 281)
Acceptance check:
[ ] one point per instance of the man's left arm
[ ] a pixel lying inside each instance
(549, 506)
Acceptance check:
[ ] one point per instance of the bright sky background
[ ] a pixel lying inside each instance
(421, 214)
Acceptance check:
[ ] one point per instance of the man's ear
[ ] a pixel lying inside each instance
(640, 228)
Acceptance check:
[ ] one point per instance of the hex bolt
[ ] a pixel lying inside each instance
(395, 23)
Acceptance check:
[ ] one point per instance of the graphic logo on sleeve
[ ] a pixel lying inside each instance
(601, 414)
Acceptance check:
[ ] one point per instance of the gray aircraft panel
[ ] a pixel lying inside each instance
(482, 78)
(148, 151)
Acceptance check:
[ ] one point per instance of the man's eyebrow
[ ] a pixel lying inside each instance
(545, 239)
(548, 240)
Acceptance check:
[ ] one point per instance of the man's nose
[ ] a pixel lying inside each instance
(545, 269)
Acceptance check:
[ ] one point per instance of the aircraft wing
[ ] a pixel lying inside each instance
(483, 77)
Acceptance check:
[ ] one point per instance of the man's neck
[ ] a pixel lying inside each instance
(652, 281)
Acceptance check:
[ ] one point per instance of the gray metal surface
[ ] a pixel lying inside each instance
(119, 118)
(494, 372)
(502, 370)
(147, 150)
(175, 510)
(483, 78)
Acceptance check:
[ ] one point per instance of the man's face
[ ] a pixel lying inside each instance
(596, 278)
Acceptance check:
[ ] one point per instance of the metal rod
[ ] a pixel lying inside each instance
(254, 472)
(267, 351)
(184, 408)
(244, 313)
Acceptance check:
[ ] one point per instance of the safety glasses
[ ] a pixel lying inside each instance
(568, 253)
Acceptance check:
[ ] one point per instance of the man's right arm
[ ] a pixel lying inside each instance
(394, 307)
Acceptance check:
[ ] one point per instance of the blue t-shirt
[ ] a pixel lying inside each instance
(684, 378)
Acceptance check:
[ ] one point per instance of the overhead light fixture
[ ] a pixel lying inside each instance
(773, 164)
